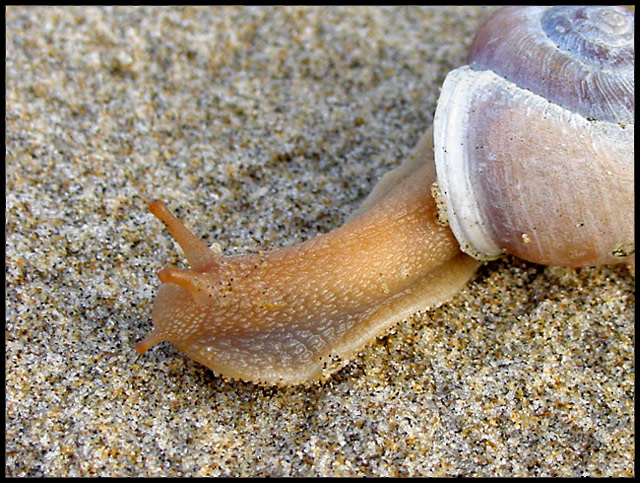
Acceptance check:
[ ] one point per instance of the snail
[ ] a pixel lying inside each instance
(530, 154)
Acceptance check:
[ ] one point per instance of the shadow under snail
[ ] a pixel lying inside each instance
(530, 154)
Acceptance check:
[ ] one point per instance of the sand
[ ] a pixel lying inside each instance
(262, 127)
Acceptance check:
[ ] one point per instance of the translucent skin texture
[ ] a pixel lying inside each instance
(292, 314)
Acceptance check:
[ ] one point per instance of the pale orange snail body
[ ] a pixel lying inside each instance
(526, 163)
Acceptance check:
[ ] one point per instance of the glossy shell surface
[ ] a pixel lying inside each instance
(521, 174)
(581, 58)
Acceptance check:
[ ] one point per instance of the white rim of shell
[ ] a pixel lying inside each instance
(454, 186)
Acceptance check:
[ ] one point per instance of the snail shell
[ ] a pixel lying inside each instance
(534, 139)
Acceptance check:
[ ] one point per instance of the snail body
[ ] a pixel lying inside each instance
(501, 183)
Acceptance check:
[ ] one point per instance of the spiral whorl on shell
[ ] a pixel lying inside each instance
(581, 58)
(534, 139)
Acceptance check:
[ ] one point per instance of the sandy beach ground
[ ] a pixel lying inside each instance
(263, 127)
